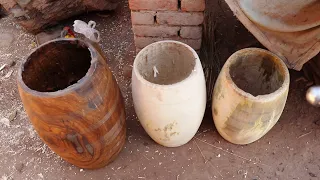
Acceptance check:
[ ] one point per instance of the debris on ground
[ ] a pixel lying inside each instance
(2, 67)
(6, 39)
(12, 63)
(41, 175)
(8, 75)
(48, 35)
(5, 121)
(19, 167)
(13, 115)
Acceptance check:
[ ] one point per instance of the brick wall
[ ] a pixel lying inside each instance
(155, 20)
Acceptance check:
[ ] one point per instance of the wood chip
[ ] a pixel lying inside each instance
(8, 74)
(12, 63)
(13, 115)
(305, 134)
(2, 67)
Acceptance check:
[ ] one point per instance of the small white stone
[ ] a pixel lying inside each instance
(41, 175)
(4, 177)
(5, 121)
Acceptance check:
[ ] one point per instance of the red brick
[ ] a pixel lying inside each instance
(155, 31)
(191, 32)
(153, 5)
(180, 18)
(142, 42)
(8, 4)
(142, 17)
(193, 5)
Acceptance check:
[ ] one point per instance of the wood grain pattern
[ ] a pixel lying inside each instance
(83, 123)
(249, 95)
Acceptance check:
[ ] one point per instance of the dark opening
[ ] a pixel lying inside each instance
(174, 63)
(257, 74)
(56, 66)
(3, 12)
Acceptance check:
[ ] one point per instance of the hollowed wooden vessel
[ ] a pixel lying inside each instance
(74, 102)
(249, 95)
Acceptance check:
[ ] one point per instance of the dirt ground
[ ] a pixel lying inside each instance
(291, 150)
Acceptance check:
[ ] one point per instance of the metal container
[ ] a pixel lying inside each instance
(74, 102)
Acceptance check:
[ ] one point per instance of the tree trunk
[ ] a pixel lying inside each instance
(35, 15)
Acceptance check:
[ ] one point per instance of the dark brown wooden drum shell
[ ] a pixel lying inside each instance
(83, 122)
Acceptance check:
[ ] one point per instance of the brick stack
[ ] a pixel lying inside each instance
(155, 20)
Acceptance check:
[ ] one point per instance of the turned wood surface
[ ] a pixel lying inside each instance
(84, 123)
(294, 48)
(243, 113)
